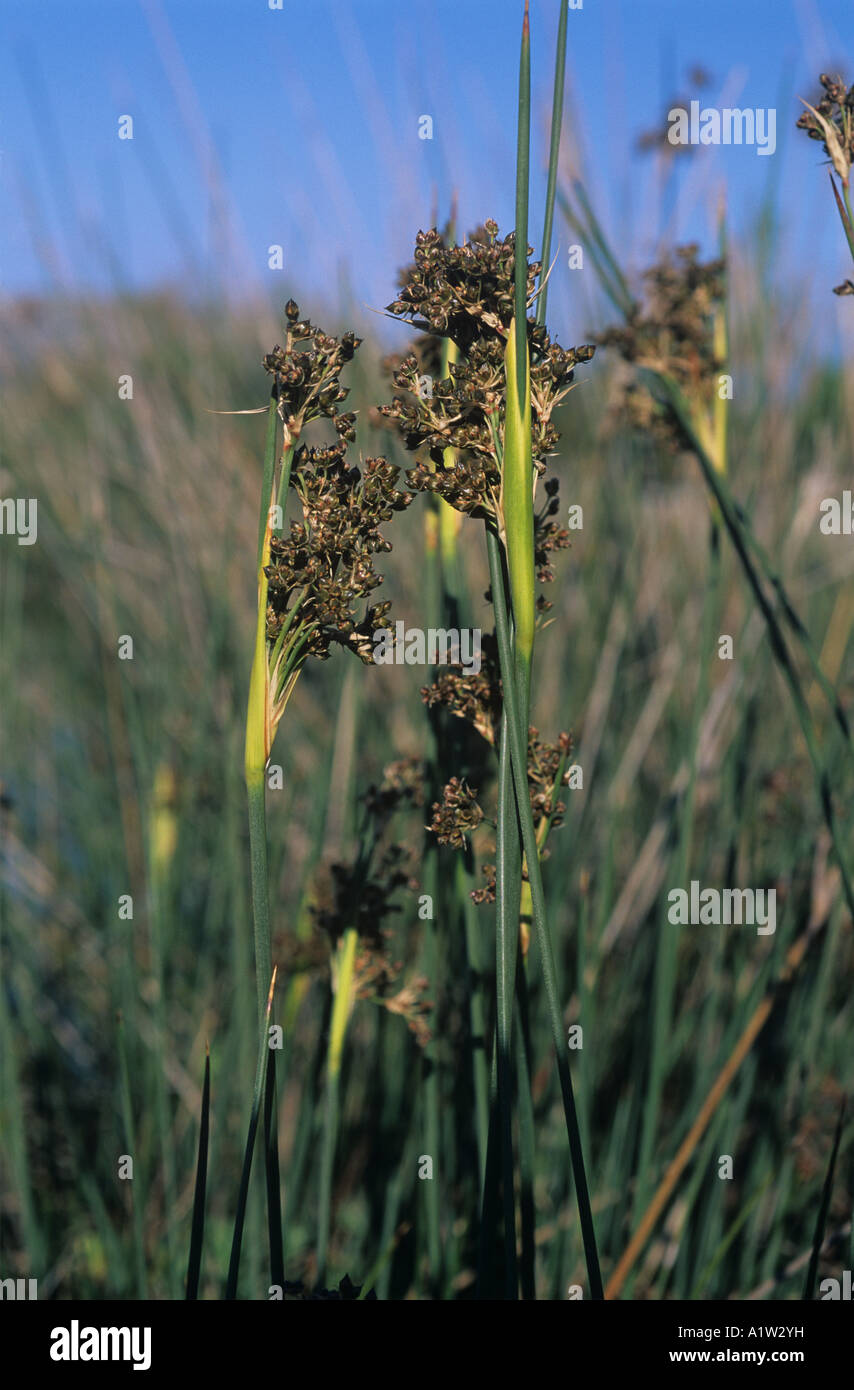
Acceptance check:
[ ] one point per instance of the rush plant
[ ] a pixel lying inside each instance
(483, 438)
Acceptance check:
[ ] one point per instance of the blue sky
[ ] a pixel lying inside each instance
(299, 127)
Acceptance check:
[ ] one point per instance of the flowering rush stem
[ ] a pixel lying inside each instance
(518, 754)
(518, 506)
(259, 734)
(341, 1010)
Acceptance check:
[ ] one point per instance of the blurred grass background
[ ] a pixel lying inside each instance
(125, 777)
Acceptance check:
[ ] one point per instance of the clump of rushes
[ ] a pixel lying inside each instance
(310, 581)
(486, 430)
(483, 447)
(832, 123)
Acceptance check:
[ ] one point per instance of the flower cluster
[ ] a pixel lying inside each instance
(378, 978)
(466, 293)
(547, 773)
(462, 292)
(307, 378)
(361, 897)
(474, 697)
(832, 122)
(457, 814)
(672, 334)
(325, 565)
(402, 785)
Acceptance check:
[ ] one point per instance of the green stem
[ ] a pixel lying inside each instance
(518, 751)
(554, 155)
(524, 1057)
(523, 157)
(337, 1032)
(256, 795)
(508, 885)
(477, 1009)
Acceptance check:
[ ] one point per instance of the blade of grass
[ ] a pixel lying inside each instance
(824, 1208)
(518, 750)
(197, 1233)
(508, 882)
(524, 1058)
(260, 1074)
(337, 1031)
(554, 158)
(523, 159)
(257, 753)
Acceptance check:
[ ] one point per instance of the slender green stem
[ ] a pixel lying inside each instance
(477, 1008)
(194, 1262)
(431, 1190)
(508, 885)
(524, 1058)
(346, 957)
(256, 796)
(257, 752)
(264, 1055)
(267, 476)
(554, 157)
(434, 888)
(518, 752)
(489, 1202)
(523, 157)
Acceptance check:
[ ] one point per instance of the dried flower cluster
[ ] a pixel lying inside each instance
(547, 773)
(458, 814)
(671, 333)
(325, 565)
(362, 897)
(378, 977)
(402, 785)
(832, 122)
(466, 293)
(307, 378)
(474, 697)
